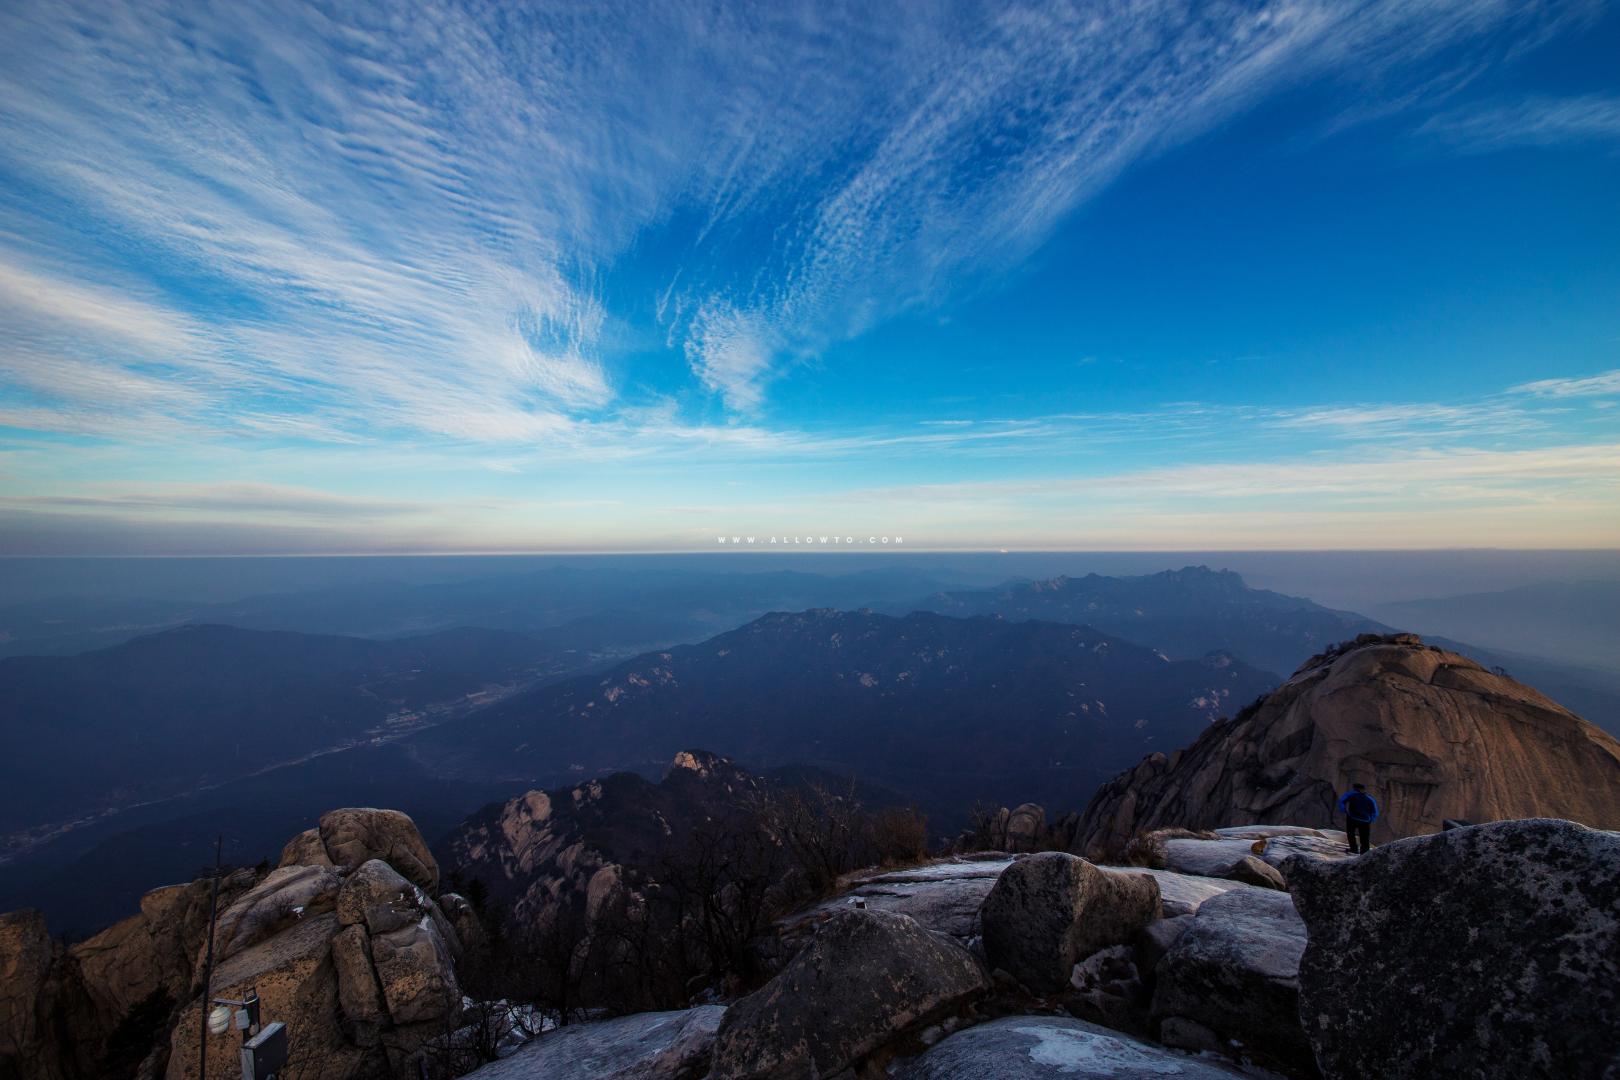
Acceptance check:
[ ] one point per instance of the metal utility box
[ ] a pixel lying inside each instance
(265, 1055)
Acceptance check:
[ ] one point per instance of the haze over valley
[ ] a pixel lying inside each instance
(454, 685)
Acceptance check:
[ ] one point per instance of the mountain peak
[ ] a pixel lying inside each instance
(1431, 733)
(1202, 575)
(1366, 641)
(700, 763)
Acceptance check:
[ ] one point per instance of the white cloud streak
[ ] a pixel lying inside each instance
(1538, 121)
(1602, 384)
(395, 218)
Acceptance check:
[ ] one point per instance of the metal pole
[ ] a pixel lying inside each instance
(208, 964)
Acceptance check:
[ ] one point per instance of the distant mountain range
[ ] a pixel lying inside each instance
(1030, 690)
(627, 608)
(943, 710)
(1187, 612)
(1184, 613)
(1577, 622)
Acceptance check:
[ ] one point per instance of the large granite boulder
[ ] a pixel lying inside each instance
(305, 849)
(346, 948)
(645, 1046)
(285, 896)
(1050, 1047)
(358, 989)
(355, 835)
(1232, 976)
(1431, 733)
(866, 979)
(1025, 827)
(1252, 871)
(353, 1001)
(357, 996)
(469, 932)
(416, 973)
(1049, 911)
(1489, 952)
(375, 895)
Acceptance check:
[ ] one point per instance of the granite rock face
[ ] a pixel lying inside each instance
(375, 895)
(357, 960)
(355, 835)
(1025, 827)
(355, 957)
(644, 1046)
(1491, 951)
(1042, 1047)
(1049, 911)
(1233, 972)
(286, 895)
(1431, 733)
(868, 978)
(35, 1042)
(297, 983)
(59, 1006)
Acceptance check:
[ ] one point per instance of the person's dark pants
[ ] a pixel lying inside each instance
(1358, 832)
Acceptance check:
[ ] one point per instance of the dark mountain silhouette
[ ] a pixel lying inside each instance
(943, 710)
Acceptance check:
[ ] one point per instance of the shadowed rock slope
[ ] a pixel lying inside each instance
(1431, 733)
(545, 850)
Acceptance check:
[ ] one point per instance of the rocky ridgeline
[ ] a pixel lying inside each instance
(347, 941)
(1433, 734)
(545, 852)
(1491, 951)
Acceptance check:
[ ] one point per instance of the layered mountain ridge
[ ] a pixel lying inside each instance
(944, 710)
(1185, 613)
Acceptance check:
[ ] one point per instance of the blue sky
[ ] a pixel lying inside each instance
(476, 277)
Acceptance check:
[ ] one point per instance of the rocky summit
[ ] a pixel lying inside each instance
(345, 942)
(1431, 733)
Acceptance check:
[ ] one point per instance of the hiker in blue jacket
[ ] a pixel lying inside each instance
(1360, 810)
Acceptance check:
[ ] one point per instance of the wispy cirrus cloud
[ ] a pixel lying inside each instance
(222, 499)
(919, 192)
(1538, 121)
(357, 221)
(1603, 383)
